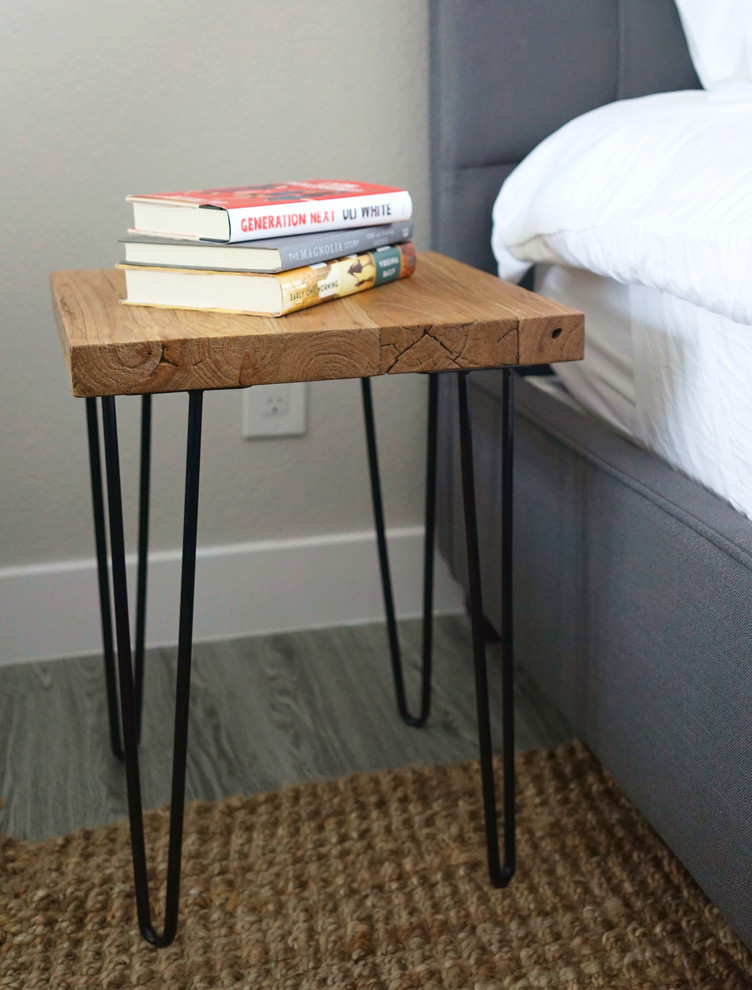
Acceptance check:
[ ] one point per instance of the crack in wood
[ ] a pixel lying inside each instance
(427, 332)
(457, 356)
(164, 359)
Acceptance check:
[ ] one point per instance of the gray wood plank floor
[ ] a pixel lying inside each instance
(264, 711)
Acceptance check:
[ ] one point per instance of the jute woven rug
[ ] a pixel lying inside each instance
(377, 881)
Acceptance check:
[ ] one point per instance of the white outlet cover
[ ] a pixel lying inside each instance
(274, 410)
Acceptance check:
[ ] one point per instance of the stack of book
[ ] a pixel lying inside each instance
(211, 249)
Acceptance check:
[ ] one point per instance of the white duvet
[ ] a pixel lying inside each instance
(641, 212)
(654, 191)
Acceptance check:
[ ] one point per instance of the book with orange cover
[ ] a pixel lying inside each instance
(268, 294)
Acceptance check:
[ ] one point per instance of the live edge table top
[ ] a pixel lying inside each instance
(446, 316)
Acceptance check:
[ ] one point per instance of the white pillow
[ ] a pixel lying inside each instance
(719, 38)
(654, 191)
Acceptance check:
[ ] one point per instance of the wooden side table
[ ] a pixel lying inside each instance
(446, 317)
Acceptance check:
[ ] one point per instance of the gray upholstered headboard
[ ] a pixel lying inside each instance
(506, 73)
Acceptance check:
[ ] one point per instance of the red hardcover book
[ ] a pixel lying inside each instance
(246, 213)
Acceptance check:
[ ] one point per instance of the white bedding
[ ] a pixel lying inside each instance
(639, 213)
(674, 377)
(653, 191)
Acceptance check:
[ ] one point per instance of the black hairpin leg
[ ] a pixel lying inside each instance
(143, 550)
(428, 553)
(128, 700)
(500, 875)
(95, 468)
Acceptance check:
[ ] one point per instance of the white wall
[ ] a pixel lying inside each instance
(102, 99)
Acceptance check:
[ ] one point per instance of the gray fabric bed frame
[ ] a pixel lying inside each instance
(633, 585)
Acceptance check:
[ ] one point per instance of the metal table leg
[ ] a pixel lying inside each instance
(500, 874)
(128, 697)
(95, 468)
(143, 549)
(428, 552)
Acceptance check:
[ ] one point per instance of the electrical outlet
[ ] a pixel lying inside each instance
(274, 410)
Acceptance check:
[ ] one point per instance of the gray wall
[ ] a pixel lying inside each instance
(103, 99)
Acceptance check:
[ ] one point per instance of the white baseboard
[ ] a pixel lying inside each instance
(52, 610)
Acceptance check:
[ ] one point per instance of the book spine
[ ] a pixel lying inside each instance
(254, 222)
(305, 287)
(307, 250)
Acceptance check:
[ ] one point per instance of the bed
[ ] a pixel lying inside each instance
(633, 498)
